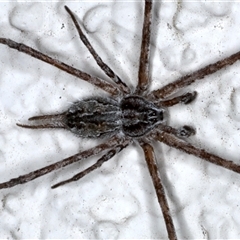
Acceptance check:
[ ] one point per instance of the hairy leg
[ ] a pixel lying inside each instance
(143, 73)
(153, 169)
(173, 141)
(110, 154)
(192, 77)
(107, 70)
(113, 142)
(110, 88)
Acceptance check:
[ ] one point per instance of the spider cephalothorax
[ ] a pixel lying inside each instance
(139, 117)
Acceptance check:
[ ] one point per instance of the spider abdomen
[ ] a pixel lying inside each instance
(94, 118)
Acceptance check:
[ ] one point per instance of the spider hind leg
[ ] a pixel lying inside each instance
(110, 154)
(114, 142)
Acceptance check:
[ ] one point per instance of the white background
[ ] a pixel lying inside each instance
(118, 200)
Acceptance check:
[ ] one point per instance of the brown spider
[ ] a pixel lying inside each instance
(126, 116)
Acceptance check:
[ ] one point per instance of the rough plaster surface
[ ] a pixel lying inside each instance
(118, 200)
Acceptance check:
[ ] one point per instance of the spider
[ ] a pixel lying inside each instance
(126, 116)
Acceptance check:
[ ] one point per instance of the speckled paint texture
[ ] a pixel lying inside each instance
(118, 201)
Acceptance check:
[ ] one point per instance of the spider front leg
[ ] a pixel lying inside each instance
(153, 169)
(111, 144)
(172, 141)
(143, 72)
(192, 77)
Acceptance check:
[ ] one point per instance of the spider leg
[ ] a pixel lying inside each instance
(185, 99)
(47, 121)
(108, 71)
(192, 77)
(177, 143)
(113, 142)
(153, 169)
(143, 73)
(98, 164)
(110, 88)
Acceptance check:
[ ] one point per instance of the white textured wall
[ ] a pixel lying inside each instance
(118, 201)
